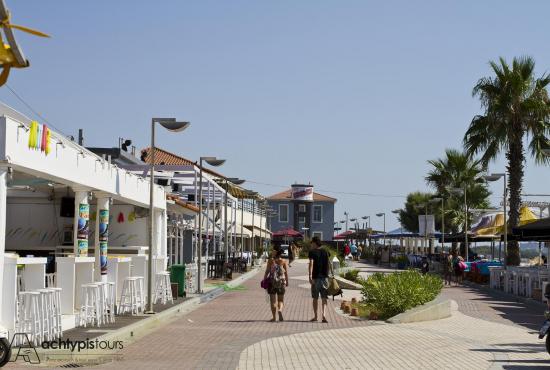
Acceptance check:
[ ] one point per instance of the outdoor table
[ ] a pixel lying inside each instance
(34, 276)
(72, 273)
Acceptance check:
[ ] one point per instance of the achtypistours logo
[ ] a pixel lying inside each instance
(22, 348)
(83, 345)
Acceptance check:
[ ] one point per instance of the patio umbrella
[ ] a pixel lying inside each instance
(344, 235)
(287, 233)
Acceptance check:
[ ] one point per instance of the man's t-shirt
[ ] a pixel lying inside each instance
(353, 248)
(320, 263)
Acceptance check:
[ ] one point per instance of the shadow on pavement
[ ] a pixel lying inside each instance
(529, 316)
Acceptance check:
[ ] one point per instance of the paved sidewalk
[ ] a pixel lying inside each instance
(459, 342)
(233, 331)
(214, 336)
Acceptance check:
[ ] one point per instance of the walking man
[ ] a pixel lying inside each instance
(318, 277)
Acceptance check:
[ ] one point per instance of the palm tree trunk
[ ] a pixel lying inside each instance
(516, 158)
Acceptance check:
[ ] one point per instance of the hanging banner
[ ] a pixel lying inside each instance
(103, 257)
(82, 231)
(83, 248)
(83, 221)
(103, 239)
(426, 225)
(39, 137)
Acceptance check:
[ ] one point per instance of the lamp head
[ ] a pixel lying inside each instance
(213, 161)
(365, 217)
(353, 219)
(235, 180)
(493, 177)
(380, 214)
(171, 124)
(396, 211)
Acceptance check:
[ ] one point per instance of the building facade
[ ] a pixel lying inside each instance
(303, 210)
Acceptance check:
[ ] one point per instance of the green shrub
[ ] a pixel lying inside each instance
(351, 275)
(392, 294)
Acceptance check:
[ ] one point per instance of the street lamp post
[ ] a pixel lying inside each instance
(495, 177)
(367, 227)
(175, 126)
(213, 161)
(383, 214)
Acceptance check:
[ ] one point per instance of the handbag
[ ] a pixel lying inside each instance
(264, 284)
(333, 287)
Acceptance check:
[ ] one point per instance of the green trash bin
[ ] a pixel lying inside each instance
(177, 275)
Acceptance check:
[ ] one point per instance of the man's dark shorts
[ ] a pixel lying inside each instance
(319, 287)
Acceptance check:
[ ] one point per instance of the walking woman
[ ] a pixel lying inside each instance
(457, 266)
(276, 273)
(291, 254)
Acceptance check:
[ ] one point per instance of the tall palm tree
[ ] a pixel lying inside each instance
(458, 170)
(516, 106)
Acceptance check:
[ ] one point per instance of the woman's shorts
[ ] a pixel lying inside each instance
(278, 291)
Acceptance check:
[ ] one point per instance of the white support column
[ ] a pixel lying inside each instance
(101, 236)
(3, 195)
(81, 222)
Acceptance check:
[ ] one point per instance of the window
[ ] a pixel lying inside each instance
(318, 234)
(302, 208)
(302, 219)
(283, 212)
(318, 213)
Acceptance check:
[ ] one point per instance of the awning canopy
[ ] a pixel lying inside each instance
(237, 191)
(538, 230)
(246, 233)
(493, 224)
(258, 230)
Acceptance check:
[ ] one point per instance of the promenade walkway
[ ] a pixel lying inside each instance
(233, 332)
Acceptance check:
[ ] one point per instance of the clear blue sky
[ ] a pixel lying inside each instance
(351, 96)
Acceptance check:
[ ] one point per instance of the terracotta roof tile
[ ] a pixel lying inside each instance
(286, 195)
(165, 157)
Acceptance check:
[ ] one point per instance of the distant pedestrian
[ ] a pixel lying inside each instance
(448, 269)
(359, 251)
(318, 277)
(458, 268)
(347, 250)
(276, 274)
(353, 249)
(425, 266)
(291, 253)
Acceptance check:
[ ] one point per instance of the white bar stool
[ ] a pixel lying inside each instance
(47, 313)
(141, 292)
(57, 328)
(129, 297)
(106, 302)
(163, 288)
(29, 316)
(89, 309)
